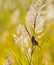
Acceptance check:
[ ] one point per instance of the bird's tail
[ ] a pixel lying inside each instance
(39, 46)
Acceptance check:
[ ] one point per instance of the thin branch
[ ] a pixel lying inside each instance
(27, 31)
(35, 21)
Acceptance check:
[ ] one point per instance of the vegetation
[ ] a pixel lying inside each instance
(15, 44)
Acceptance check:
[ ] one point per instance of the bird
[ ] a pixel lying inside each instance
(32, 38)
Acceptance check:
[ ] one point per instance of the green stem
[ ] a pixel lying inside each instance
(32, 50)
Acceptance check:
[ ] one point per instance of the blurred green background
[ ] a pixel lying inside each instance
(15, 44)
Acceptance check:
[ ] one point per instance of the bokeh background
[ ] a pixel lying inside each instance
(15, 44)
